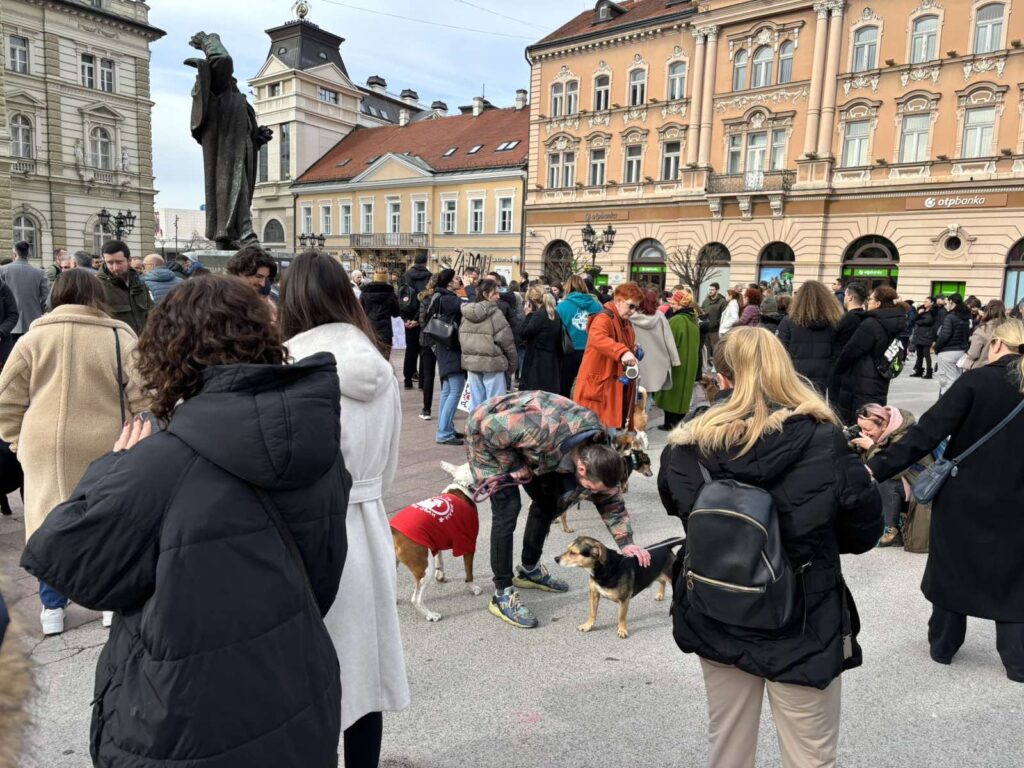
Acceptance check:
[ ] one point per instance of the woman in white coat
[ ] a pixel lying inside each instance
(731, 313)
(319, 313)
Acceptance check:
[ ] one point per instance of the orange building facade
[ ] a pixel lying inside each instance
(795, 140)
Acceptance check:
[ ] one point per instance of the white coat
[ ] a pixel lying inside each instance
(363, 622)
(660, 353)
(730, 317)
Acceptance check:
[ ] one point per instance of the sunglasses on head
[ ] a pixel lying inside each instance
(864, 413)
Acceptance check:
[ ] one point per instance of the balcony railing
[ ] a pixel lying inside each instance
(383, 240)
(753, 181)
(24, 166)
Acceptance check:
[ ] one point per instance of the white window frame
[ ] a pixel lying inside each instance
(914, 144)
(88, 70)
(671, 161)
(449, 216)
(394, 217)
(787, 55)
(568, 168)
(859, 144)
(557, 99)
(865, 52)
(106, 71)
(756, 158)
(27, 230)
(366, 217)
(326, 222)
(734, 154)
(18, 56)
(990, 34)
(273, 90)
(22, 137)
(975, 143)
(554, 169)
(307, 220)
(572, 97)
(637, 87)
(598, 173)
(326, 95)
(99, 160)
(477, 215)
(505, 214)
(924, 46)
(419, 217)
(633, 165)
(602, 93)
(761, 69)
(677, 73)
(345, 217)
(777, 150)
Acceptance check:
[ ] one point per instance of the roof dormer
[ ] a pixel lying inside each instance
(606, 10)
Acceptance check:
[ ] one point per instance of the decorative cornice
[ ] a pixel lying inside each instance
(767, 97)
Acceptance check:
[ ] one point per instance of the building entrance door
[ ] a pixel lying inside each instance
(647, 264)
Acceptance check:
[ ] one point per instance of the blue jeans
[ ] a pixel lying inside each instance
(484, 386)
(51, 598)
(451, 391)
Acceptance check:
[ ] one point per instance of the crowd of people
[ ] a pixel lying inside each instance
(206, 462)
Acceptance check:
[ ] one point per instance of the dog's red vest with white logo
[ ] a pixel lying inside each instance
(441, 523)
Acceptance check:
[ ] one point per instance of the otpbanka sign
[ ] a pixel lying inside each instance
(949, 202)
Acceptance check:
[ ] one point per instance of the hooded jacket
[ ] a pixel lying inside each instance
(812, 350)
(654, 335)
(859, 381)
(160, 281)
(955, 332)
(218, 656)
(488, 345)
(130, 303)
(380, 302)
(575, 311)
(712, 309)
(416, 278)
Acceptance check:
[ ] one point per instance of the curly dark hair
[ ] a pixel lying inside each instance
(218, 320)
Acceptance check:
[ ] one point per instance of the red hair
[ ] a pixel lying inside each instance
(629, 292)
(753, 296)
(651, 302)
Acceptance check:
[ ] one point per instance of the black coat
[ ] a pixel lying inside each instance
(417, 278)
(813, 350)
(955, 332)
(826, 505)
(218, 657)
(860, 382)
(975, 558)
(925, 328)
(8, 320)
(381, 304)
(449, 306)
(542, 364)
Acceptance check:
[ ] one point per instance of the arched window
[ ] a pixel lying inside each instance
(558, 261)
(572, 98)
(602, 93)
(273, 232)
(924, 41)
(637, 87)
(786, 52)
(777, 268)
(21, 137)
(101, 235)
(677, 81)
(557, 99)
(865, 49)
(872, 260)
(739, 71)
(1013, 294)
(988, 28)
(25, 230)
(761, 74)
(101, 149)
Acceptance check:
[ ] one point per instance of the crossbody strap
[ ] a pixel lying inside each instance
(991, 433)
(704, 472)
(120, 374)
(289, 541)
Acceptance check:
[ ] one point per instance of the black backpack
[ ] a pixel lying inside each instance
(736, 570)
(408, 301)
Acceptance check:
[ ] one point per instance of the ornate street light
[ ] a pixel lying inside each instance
(312, 241)
(596, 244)
(123, 222)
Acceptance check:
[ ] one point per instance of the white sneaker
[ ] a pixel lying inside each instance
(52, 620)
(108, 618)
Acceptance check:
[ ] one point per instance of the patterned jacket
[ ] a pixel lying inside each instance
(539, 429)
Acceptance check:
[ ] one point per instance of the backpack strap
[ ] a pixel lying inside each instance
(704, 472)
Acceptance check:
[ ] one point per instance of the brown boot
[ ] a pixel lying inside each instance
(891, 537)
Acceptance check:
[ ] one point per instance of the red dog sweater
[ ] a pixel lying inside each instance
(441, 523)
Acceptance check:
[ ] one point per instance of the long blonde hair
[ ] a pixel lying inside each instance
(766, 392)
(1011, 333)
(541, 298)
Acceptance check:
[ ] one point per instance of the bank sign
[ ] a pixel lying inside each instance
(949, 202)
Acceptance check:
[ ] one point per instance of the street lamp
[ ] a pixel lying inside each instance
(312, 240)
(123, 221)
(597, 244)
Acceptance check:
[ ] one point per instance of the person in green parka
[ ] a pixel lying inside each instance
(675, 402)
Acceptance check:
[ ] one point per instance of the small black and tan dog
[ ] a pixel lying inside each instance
(616, 577)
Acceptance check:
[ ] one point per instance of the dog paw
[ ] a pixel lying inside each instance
(623, 633)
(586, 627)
(660, 597)
(475, 589)
(431, 616)
(567, 529)
(441, 577)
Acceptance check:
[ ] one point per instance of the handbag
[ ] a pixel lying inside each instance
(565, 345)
(928, 485)
(441, 330)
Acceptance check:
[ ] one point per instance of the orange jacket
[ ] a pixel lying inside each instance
(597, 384)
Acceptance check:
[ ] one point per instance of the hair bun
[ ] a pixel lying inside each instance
(1020, 349)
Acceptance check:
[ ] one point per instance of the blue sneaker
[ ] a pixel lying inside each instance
(508, 608)
(538, 578)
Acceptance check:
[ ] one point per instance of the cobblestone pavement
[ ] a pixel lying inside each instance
(485, 694)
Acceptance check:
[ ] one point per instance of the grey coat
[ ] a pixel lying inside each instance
(654, 335)
(485, 336)
(31, 290)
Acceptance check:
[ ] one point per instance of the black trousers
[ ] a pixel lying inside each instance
(411, 365)
(362, 741)
(567, 376)
(506, 505)
(924, 353)
(947, 630)
(428, 370)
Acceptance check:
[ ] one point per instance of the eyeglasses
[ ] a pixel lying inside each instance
(632, 307)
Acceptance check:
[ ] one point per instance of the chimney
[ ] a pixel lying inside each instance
(377, 84)
(478, 105)
(410, 97)
(440, 108)
(521, 99)
(403, 117)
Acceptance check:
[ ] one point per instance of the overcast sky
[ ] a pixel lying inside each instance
(436, 61)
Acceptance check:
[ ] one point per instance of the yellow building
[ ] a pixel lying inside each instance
(450, 187)
(879, 141)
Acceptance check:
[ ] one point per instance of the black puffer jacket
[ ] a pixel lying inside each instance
(955, 333)
(448, 305)
(381, 304)
(860, 382)
(924, 328)
(827, 505)
(218, 657)
(813, 350)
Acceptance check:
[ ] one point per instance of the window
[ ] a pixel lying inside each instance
(914, 138)
(325, 220)
(572, 98)
(568, 169)
(855, 143)
(21, 137)
(924, 41)
(505, 214)
(331, 97)
(367, 218)
(507, 146)
(557, 99)
(449, 211)
(88, 71)
(286, 151)
(604, 13)
(554, 170)
(759, 155)
(419, 216)
(761, 74)
(597, 167)
(273, 232)
(273, 90)
(865, 49)
(739, 71)
(988, 29)
(451, 151)
(786, 62)
(757, 151)
(101, 235)
(602, 93)
(475, 149)
(677, 81)
(18, 54)
(394, 217)
(978, 130)
(634, 163)
(778, 150)
(345, 209)
(263, 167)
(476, 216)
(561, 169)
(735, 159)
(670, 161)
(25, 231)
(307, 220)
(637, 87)
(107, 75)
(101, 149)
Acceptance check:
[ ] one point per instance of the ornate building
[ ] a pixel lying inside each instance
(879, 141)
(75, 122)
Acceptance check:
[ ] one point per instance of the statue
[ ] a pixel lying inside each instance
(224, 123)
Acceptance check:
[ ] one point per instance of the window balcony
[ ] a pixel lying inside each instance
(25, 165)
(385, 240)
(751, 182)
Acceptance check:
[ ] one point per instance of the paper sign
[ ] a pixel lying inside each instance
(464, 399)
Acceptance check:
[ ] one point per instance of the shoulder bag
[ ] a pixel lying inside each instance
(120, 376)
(439, 329)
(565, 345)
(934, 477)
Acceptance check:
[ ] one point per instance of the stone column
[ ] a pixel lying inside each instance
(817, 75)
(828, 107)
(696, 96)
(707, 105)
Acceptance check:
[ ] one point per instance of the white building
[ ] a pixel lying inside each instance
(177, 230)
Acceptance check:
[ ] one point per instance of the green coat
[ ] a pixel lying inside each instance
(687, 337)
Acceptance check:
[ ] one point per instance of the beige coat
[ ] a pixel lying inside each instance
(59, 401)
(980, 340)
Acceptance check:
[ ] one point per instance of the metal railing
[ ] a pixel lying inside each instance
(389, 240)
(752, 181)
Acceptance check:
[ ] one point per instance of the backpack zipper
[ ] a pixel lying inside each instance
(691, 576)
(731, 513)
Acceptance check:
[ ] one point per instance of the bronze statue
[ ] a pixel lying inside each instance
(224, 123)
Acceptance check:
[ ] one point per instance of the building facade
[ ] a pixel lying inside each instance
(75, 122)
(882, 142)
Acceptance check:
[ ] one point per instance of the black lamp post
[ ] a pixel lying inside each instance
(312, 240)
(596, 244)
(123, 222)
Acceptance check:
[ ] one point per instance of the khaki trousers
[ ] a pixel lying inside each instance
(807, 719)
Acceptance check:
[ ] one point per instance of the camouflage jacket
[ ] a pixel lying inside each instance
(538, 429)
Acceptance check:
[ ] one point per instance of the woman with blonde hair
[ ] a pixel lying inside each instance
(808, 332)
(542, 332)
(575, 311)
(776, 433)
(974, 557)
(675, 400)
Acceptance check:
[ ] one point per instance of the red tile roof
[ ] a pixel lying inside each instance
(635, 11)
(428, 141)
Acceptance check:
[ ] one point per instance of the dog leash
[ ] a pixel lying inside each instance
(492, 485)
(667, 543)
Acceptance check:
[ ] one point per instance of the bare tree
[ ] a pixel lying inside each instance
(696, 269)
